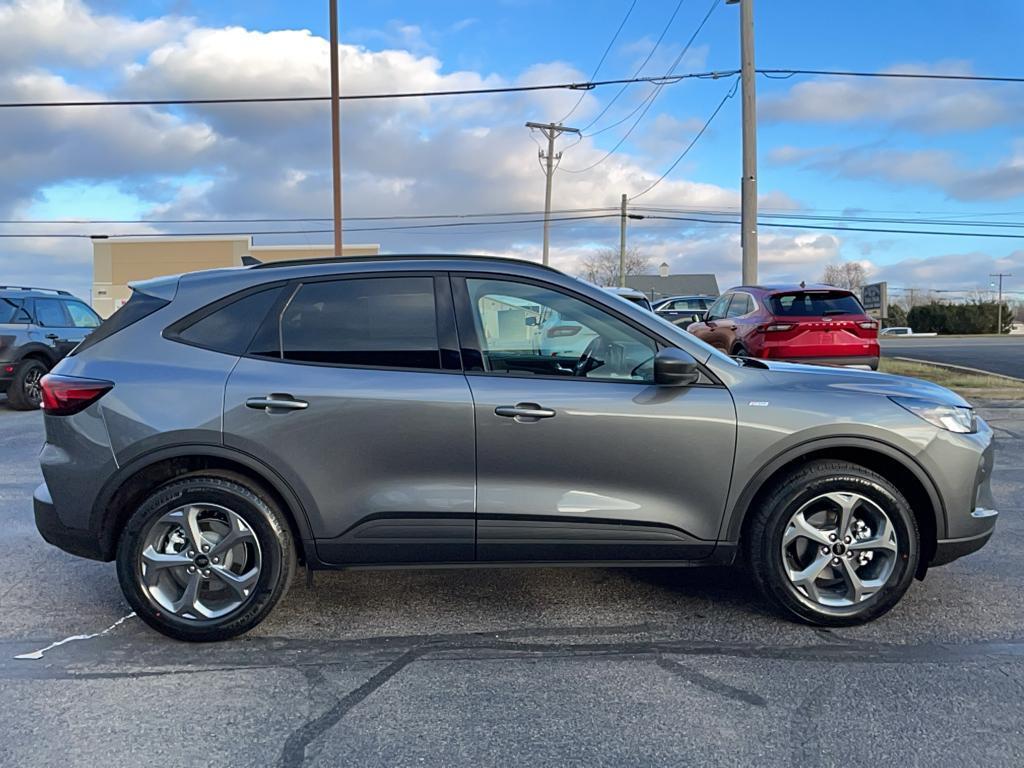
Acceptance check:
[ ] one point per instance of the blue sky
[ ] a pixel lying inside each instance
(884, 148)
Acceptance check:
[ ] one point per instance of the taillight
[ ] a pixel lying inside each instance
(563, 330)
(66, 395)
(868, 325)
(776, 327)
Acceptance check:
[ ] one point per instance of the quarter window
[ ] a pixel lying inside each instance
(230, 328)
(525, 329)
(387, 322)
(81, 315)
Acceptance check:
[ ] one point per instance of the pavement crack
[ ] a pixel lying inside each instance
(710, 684)
(294, 752)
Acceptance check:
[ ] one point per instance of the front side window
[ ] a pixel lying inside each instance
(524, 329)
(50, 313)
(683, 305)
(81, 316)
(717, 310)
(386, 322)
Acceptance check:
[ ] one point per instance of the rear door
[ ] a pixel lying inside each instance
(55, 327)
(353, 392)
(586, 459)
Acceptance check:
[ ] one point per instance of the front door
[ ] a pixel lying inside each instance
(55, 327)
(579, 455)
(350, 391)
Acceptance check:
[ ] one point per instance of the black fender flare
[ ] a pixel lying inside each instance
(39, 350)
(101, 519)
(741, 508)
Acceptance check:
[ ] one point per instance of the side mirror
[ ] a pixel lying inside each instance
(530, 321)
(675, 368)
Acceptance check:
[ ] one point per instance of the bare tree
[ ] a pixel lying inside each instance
(849, 275)
(602, 266)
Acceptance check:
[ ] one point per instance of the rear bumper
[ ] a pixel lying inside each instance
(74, 540)
(862, 361)
(948, 550)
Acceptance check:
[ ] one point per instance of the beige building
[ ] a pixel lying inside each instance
(119, 261)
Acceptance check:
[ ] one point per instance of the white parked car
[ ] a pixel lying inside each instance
(898, 330)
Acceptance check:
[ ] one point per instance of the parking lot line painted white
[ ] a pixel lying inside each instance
(39, 654)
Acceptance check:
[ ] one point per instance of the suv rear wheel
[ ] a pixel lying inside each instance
(833, 544)
(24, 392)
(206, 557)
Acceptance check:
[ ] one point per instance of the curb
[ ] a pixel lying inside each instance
(964, 368)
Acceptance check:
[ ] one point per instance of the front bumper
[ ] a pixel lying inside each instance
(948, 550)
(74, 540)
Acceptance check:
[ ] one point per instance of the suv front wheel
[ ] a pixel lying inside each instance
(833, 544)
(206, 557)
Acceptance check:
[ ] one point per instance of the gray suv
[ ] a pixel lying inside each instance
(38, 326)
(225, 427)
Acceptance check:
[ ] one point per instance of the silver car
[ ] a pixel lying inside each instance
(225, 428)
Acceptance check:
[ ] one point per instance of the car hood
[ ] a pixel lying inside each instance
(870, 382)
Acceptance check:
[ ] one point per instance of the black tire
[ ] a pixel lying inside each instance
(259, 512)
(763, 541)
(21, 394)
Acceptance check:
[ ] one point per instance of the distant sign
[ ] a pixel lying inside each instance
(875, 298)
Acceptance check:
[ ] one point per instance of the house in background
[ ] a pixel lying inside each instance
(663, 284)
(117, 262)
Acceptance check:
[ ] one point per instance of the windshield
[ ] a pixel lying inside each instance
(807, 303)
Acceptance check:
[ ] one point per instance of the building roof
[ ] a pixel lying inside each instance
(675, 285)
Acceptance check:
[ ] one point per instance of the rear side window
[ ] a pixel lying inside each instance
(50, 314)
(741, 304)
(230, 328)
(805, 303)
(386, 322)
(137, 307)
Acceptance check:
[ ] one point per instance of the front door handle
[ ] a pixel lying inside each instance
(52, 336)
(524, 413)
(276, 402)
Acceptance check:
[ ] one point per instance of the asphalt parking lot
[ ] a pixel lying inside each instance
(538, 667)
(1003, 355)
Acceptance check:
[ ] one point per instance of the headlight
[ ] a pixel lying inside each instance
(955, 418)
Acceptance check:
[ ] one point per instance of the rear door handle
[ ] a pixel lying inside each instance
(276, 403)
(524, 412)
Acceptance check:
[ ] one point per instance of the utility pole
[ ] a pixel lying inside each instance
(1000, 275)
(335, 128)
(548, 163)
(748, 185)
(622, 244)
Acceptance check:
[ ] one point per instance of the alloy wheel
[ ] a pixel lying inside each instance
(33, 389)
(839, 549)
(200, 562)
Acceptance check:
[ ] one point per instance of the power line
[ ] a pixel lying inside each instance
(650, 103)
(581, 86)
(788, 73)
(584, 86)
(603, 57)
(847, 229)
(729, 95)
(119, 235)
(636, 73)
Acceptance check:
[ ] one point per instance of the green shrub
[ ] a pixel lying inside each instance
(973, 317)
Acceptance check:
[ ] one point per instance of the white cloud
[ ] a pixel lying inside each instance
(69, 32)
(921, 106)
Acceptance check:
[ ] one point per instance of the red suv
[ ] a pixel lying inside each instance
(805, 324)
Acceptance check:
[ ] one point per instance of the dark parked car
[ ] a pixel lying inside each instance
(38, 326)
(806, 324)
(224, 427)
(683, 310)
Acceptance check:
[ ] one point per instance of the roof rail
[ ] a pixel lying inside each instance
(30, 288)
(393, 257)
